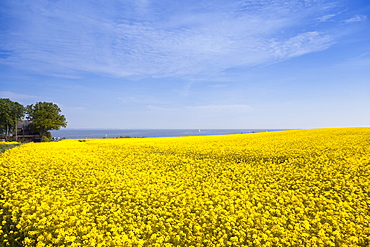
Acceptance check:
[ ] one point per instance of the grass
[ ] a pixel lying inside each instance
(4, 147)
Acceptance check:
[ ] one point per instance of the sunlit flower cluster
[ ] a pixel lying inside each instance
(288, 188)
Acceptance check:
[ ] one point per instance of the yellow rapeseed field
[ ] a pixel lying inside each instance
(289, 188)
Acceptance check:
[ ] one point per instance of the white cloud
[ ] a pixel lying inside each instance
(205, 109)
(143, 40)
(326, 17)
(16, 96)
(356, 18)
(127, 99)
(301, 44)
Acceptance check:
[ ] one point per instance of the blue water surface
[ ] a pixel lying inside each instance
(141, 133)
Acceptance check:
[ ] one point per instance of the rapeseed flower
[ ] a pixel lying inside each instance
(289, 188)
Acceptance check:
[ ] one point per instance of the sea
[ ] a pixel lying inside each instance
(142, 133)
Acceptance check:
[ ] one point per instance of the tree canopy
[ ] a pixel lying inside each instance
(45, 116)
(10, 113)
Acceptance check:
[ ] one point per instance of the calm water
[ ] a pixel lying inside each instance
(117, 133)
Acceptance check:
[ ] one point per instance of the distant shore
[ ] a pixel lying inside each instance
(142, 133)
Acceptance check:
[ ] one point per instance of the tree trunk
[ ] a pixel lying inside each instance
(16, 130)
(7, 132)
(42, 133)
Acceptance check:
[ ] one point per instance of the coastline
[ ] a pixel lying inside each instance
(143, 133)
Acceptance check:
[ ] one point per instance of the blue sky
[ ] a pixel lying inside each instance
(190, 64)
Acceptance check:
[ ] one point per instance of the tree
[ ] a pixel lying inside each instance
(10, 113)
(45, 116)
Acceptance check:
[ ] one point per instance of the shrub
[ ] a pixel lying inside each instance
(47, 137)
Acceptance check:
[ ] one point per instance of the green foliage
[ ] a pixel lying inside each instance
(45, 116)
(4, 147)
(47, 137)
(10, 113)
(23, 140)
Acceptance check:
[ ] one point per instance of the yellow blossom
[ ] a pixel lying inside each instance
(286, 188)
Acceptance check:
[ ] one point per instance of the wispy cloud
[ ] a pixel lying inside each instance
(205, 109)
(127, 99)
(301, 44)
(185, 91)
(356, 18)
(326, 17)
(16, 96)
(139, 39)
